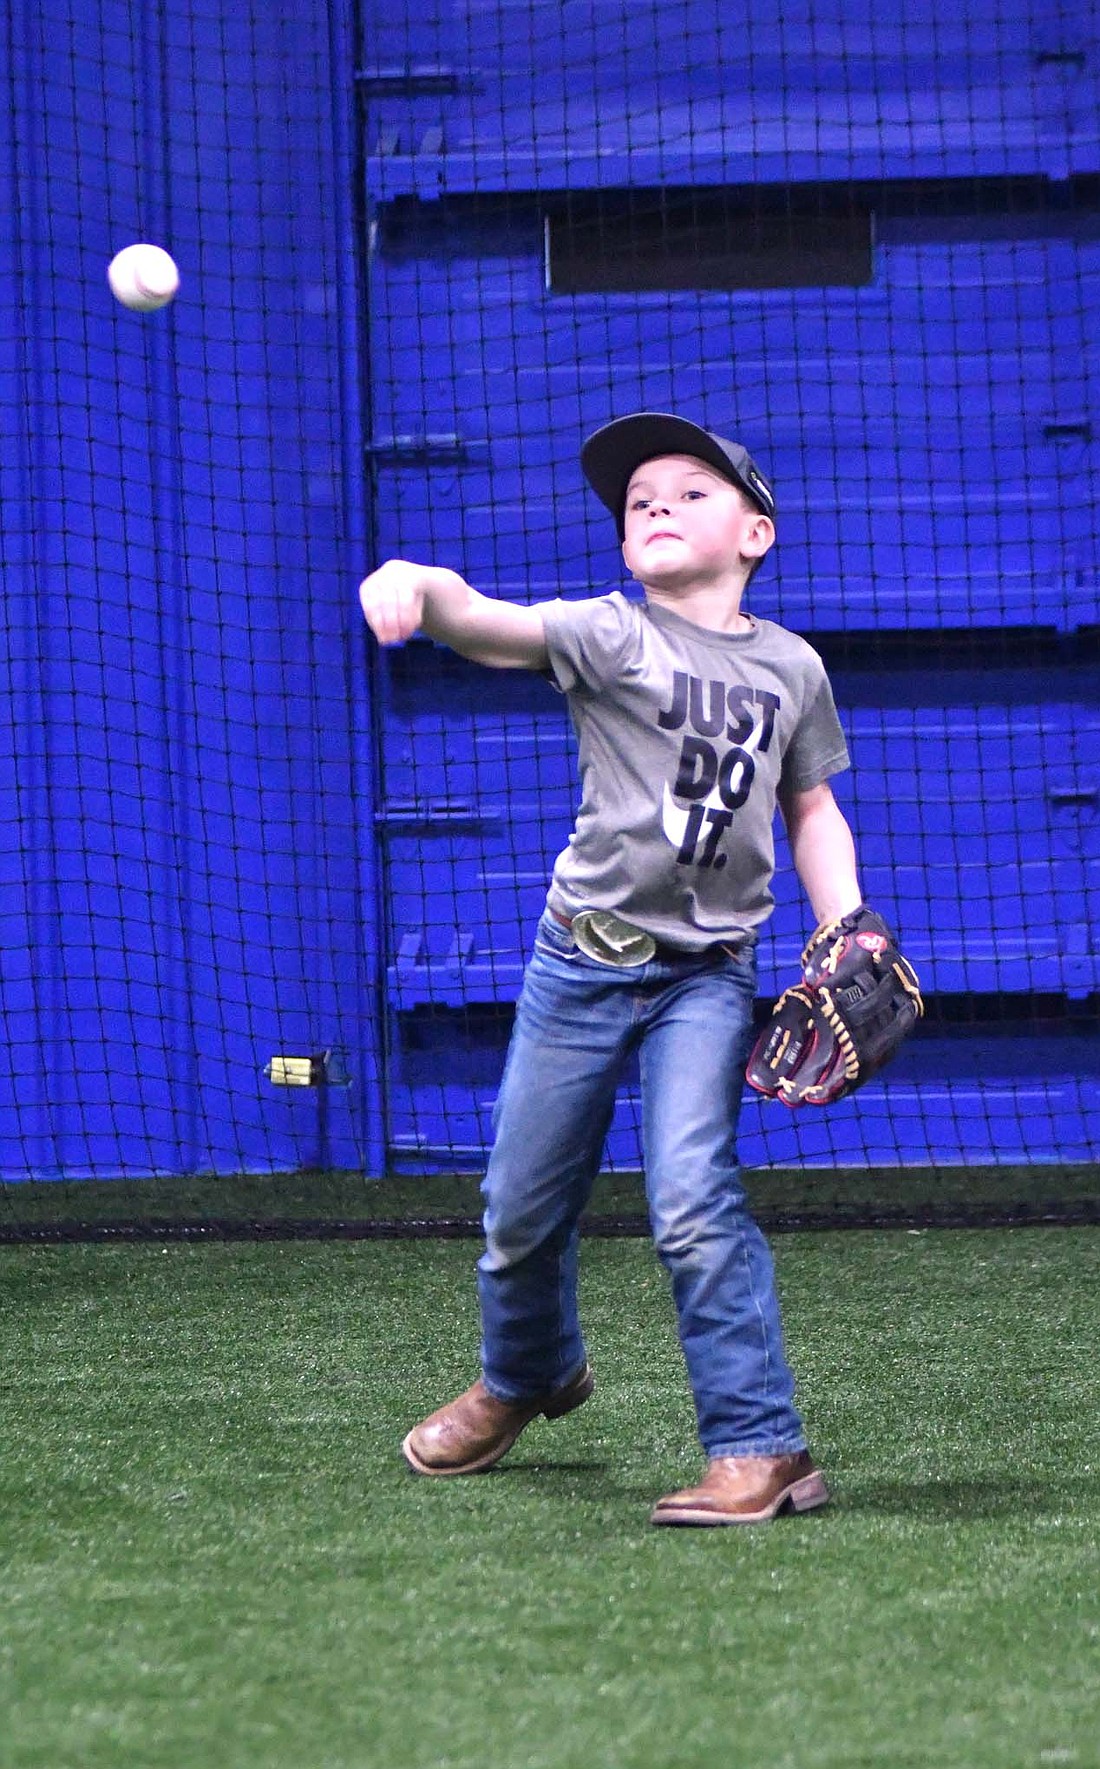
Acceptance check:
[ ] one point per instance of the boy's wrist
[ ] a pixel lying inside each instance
(446, 596)
(839, 904)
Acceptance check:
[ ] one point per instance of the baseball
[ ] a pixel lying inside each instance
(143, 277)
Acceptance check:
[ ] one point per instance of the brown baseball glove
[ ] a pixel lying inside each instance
(844, 1021)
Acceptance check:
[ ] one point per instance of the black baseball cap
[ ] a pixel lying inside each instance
(611, 455)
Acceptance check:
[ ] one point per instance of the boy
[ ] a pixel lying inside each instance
(694, 718)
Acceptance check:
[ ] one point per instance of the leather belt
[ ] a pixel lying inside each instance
(647, 947)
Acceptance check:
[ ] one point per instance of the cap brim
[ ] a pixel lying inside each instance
(611, 455)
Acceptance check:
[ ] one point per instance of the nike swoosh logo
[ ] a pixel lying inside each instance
(674, 817)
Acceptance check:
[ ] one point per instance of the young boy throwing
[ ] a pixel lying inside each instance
(694, 719)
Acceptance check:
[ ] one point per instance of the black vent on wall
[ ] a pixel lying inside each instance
(626, 241)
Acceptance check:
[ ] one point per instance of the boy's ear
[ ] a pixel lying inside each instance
(763, 533)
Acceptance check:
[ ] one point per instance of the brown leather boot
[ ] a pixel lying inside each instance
(746, 1489)
(471, 1433)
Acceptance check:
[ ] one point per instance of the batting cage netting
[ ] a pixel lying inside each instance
(269, 891)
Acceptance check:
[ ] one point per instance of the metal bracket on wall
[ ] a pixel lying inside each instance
(1076, 430)
(435, 449)
(428, 814)
(415, 80)
(1072, 61)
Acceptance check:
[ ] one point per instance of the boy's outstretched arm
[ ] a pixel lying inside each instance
(823, 851)
(401, 598)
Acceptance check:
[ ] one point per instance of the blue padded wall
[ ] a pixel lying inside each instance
(964, 853)
(201, 868)
(698, 93)
(184, 734)
(931, 436)
(925, 431)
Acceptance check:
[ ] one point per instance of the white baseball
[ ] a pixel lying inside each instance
(143, 277)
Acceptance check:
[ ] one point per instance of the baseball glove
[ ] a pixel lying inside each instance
(831, 1032)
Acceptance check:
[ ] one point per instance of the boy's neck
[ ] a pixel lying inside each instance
(715, 606)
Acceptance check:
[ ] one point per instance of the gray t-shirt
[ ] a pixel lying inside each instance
(685, 736)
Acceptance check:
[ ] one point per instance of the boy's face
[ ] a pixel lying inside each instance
(685, 524)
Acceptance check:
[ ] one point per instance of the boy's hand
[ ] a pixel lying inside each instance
(392, 600)
(401, 598)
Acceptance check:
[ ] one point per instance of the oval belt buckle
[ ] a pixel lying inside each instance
(609, 939)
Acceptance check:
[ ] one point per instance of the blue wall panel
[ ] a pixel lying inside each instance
(931, 434)
(977, 826)
(697, 92)
(188, 706)
(924, 434)
(942, 1103)
(187, 782)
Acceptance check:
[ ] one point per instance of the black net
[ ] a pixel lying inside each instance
(270, 894)
(852, 243)
(185, 896)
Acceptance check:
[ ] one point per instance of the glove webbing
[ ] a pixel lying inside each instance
(836, 1025)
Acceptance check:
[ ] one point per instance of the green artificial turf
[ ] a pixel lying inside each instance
(212, 1554)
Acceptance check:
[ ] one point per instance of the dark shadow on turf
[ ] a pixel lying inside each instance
(547, 1472)
(949, 1500)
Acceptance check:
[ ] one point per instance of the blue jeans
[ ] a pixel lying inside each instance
(576, 1023)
